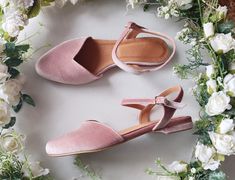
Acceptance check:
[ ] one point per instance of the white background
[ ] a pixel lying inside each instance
(61, 108)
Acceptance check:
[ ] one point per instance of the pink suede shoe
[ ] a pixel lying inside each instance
(94, 136)
(81, 61)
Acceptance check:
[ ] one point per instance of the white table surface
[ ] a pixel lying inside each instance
(61, 108)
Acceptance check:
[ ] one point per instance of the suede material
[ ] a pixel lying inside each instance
(91, 136)
(59, 65)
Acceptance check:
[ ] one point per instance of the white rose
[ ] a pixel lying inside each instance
(224, 144)
(229, 84)
(208, 29)
(204, 153)
(226, 126)
(10, 91)
(5, 116)
(177, 167)
(222, 42)
(211, 86)
(3, 73)
(35, 169)
(231, 67)
(218, 103)
(3, 3)
(13, 20)
(12, 142)
(11, 27)
(222, 11)
(27, 3)
(210, 70)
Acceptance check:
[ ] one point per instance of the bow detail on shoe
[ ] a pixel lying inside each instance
(161, 100)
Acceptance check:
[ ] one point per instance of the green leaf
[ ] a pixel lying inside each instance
(35, 9)
(13, 72)
(146, 7)
(23, 47)
(13, 62)
(11, 123)
(10, 50)
(28, 99)
(217, 175)
(10, 46)
(18, 107)
(226, 27)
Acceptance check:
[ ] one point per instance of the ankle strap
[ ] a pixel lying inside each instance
(158, 100)
(146, 105)
(131, 31)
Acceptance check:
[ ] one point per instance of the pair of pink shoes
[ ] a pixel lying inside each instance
(81, 61)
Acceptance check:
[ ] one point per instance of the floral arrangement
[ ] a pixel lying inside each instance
(207, 29)
(14, 163)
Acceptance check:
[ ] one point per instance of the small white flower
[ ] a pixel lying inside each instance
(184, 4)
(224, 144)
(191, 178)
(217, 103)
(10, 91)
(193, 170)
(183, 36)
(35, 169)
(229, 84)
(208, 29)
(222, 42)
(177, 167)
(211, 86)
(132, 3)
(210, 70)
(222, 12)
(231, 67)
(3, 73)
(167, 16)
(12, 142)
(5, 116)
(226, 126)
(193, 42)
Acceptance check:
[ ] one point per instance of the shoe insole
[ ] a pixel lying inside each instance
(96, 55)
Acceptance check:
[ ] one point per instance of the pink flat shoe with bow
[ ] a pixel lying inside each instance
(94, 136)
(81, 61)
